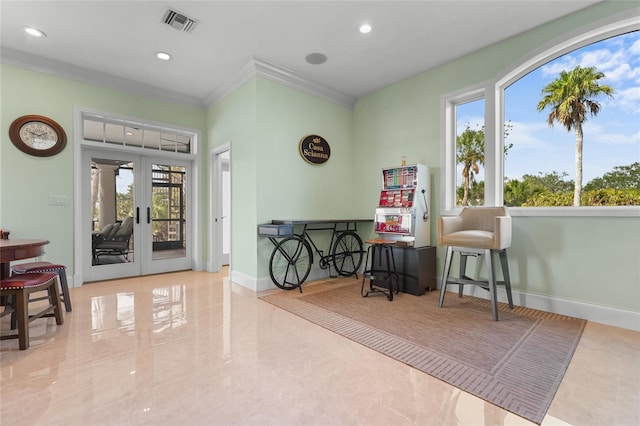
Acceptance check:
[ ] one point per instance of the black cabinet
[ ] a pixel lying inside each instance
(417, 269)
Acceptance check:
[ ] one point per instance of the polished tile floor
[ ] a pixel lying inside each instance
(192, 348)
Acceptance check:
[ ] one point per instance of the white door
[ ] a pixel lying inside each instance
(137, 214)
(166, 216)
(226, 208)
(221, 208)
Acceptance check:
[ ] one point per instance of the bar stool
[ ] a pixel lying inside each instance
(38, 267)
(18, 288)
(382, 276)
(474, 232)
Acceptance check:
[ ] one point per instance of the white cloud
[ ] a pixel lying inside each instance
(629, 99)
(598, 134)
(616, 60)
(526, 135)
(554, 68)
(603, 59)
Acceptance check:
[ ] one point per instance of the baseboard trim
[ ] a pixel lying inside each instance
(591, 312)
(265, 283)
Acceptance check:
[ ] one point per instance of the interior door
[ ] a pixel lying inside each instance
(137, 212)
(221, 209)
(226, 208)
(111, 194)
(167, 223)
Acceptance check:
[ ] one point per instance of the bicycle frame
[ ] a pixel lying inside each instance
(291, 261)
(335, 232)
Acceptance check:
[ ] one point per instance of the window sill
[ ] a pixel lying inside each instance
(614, 211)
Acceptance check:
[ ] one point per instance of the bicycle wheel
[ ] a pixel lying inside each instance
(290, 262)
(347, 253)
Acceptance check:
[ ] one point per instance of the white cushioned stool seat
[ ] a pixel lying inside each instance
(477, 231)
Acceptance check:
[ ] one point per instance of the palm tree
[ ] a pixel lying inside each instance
(469, 153)
(570, 99)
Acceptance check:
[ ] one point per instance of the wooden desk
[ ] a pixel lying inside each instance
(11, 250)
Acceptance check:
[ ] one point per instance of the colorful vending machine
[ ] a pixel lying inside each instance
(403, 210)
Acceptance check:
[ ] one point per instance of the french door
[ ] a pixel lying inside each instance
(137, 214)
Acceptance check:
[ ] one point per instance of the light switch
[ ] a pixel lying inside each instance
(57, 200)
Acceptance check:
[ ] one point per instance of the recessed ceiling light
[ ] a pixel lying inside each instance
(34, 32)
(365, 28)
(316, 58)
(164, 56)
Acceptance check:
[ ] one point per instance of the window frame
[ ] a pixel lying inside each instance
(493, 92)
(124, 120)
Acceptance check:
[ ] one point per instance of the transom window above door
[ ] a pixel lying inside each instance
(123, 132)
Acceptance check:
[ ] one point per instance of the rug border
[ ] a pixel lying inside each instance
(418, 356)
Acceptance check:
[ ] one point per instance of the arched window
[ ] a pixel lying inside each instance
(531, 165)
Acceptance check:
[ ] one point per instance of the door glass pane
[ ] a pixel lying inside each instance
(112, 189)
(168, 206)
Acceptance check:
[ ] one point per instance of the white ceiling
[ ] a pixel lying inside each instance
(115, 42)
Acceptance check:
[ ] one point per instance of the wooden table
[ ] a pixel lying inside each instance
(11, 250)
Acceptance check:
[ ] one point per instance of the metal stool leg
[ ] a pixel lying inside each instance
(507, 277)
(366, 272)
(493, 291)
(445, 275)
(463, 272)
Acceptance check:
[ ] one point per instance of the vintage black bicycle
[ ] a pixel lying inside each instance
(292, 256)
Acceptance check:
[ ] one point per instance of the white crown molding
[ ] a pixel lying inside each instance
(246, 72)
(251, 68)
(261, 68)
(289, 78)
(84, 75)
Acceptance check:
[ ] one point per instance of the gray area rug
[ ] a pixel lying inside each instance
(516, 363)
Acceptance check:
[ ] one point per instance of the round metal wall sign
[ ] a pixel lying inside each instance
(314, 149)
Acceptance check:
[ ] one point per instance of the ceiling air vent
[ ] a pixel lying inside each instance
(179, 21)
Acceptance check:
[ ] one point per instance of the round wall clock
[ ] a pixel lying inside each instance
(37, 135)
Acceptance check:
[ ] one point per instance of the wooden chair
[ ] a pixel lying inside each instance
(37, 267)
(18, 288)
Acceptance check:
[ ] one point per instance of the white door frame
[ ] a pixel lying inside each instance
(81, 247)
(215, 237)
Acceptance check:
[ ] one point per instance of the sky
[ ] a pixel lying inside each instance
(612, 138)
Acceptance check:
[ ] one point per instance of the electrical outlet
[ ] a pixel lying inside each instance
(57, 200)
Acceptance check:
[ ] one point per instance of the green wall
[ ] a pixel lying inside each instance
(26, 182)
(289, 187)
(583, 259)
(233, 120)
(264, 123)
(587, 259)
